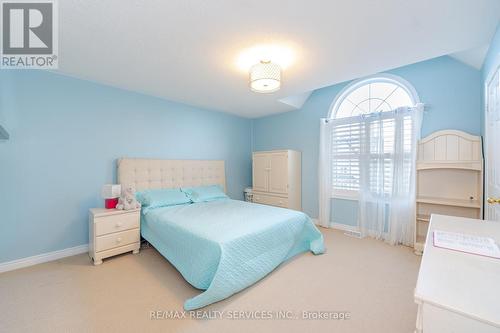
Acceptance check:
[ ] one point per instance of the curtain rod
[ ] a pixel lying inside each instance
(425, 109)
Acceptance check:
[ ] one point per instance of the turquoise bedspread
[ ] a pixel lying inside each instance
(227, 245)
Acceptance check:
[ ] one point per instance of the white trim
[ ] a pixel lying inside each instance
(344, 227)
(338, 226)
(383, 77)
(41, 258)
(487, 81)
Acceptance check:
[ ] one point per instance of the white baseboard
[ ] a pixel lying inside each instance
(339, 226)
(344, 227)
(41, 258)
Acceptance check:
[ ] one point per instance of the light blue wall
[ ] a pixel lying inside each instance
(451, 90)
(66, 135)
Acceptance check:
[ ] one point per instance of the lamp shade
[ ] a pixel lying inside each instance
(265, 77)
(110, 191)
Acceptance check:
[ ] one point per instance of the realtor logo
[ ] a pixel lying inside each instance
(29, 35)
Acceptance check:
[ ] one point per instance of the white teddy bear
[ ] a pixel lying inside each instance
(127, 199)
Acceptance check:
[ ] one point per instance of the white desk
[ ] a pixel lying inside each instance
(458, 292)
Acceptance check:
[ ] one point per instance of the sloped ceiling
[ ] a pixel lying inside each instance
(187, 50)
(473, 57)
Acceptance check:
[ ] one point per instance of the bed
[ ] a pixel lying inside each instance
(221, 246)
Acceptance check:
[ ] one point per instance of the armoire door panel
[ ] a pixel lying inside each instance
(260, 171)
(278, 173)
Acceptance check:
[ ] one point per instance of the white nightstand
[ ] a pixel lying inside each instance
(112, 232)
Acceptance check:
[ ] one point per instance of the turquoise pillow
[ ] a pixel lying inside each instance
(204, 193)
(161, 198)
(139, 196)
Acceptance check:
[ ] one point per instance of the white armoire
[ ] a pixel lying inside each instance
(277, 178)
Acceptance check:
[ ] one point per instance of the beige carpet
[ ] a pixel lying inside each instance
(371, 280)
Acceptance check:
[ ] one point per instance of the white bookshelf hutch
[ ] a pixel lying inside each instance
(449, 179)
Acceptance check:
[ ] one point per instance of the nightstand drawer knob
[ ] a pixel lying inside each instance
(118, 224)
(118, 240)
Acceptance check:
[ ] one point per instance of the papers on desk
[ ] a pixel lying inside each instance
(483, 246)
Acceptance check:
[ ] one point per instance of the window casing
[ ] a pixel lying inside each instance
(355, 137)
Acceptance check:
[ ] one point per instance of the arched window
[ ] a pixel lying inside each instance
(349, 133)
(380, 93)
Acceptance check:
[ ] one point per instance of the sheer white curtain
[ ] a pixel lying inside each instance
(373, 156)
(387, 178)
(325, 171)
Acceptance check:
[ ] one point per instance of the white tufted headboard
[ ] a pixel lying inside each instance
(151, 174)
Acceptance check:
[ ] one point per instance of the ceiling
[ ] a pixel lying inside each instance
(188, 50)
